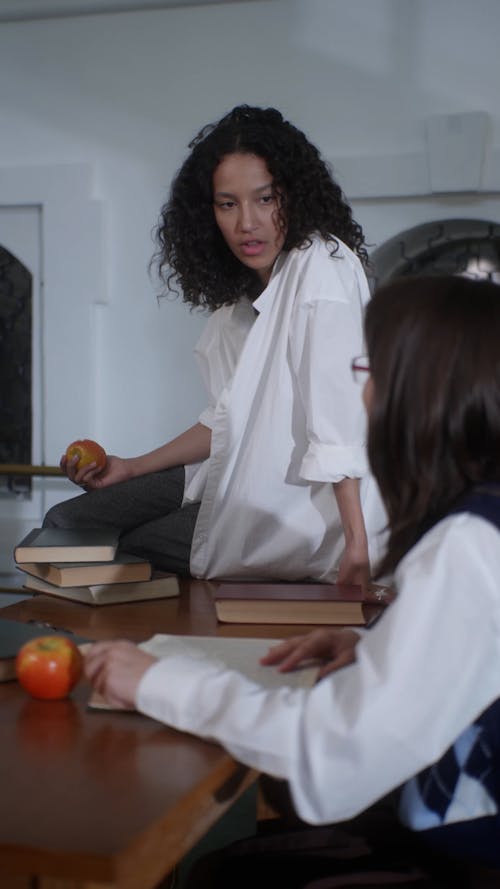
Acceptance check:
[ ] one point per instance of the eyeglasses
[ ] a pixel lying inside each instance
(360, 366)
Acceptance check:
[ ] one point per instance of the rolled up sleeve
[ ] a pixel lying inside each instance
(328, 334)
(332, 463)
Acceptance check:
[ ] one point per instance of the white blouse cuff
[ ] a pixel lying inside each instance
(332, 463)
(206, 417)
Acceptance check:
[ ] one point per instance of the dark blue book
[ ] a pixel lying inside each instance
(68, 545)
(13, 635)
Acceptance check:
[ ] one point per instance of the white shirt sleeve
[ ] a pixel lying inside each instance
(327, 333)
(427, 669)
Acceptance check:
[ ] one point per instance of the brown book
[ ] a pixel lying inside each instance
(124, 568)
(13, 635)
(68, 545)
(295, 603)
(161, 586)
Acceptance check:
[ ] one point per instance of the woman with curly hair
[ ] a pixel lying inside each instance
(267, 482)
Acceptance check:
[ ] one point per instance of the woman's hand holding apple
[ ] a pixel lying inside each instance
(117, 469)
(86, 463)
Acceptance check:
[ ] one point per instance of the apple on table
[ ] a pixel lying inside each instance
(48, 667)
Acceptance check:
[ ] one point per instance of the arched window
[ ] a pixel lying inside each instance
(468, 247)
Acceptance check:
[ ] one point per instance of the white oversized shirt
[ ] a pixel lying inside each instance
(426, 671)
(287, 420)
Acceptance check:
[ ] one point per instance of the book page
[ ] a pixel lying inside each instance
(238, 654)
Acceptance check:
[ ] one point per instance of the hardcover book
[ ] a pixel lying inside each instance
(68, 545)
(158, 587)
(124, 568)
(295, 603)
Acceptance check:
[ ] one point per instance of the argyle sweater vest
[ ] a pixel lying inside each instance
(455, 802)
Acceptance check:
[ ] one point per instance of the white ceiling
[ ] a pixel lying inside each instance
(23, 10)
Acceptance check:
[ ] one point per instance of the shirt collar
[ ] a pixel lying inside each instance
(261, 300)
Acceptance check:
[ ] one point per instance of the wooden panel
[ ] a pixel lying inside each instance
(50, 883)
(10, 881)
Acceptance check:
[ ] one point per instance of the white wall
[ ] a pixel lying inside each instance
(124, 93)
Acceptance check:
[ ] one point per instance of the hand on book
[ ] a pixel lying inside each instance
(336, 648)
(115, 669)
(117, 469)
(354, 567)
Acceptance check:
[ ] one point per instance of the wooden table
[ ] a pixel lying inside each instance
(94, 799)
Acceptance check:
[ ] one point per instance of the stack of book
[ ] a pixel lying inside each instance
(86, 565)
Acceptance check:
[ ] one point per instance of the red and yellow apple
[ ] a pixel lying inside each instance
(87, 451)
(48, 667)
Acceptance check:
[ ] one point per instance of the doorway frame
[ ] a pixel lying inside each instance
(72, 290)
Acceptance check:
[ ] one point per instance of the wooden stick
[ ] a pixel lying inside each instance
(26, 469)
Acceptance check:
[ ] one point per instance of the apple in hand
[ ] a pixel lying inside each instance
(48, 667)
(87, 451)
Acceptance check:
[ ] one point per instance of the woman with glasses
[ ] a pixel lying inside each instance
(272, 479)
(415, 711)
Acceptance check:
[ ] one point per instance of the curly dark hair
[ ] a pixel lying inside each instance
(191, 250)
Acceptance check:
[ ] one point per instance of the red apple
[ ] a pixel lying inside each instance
(87, 451)
(48, 667)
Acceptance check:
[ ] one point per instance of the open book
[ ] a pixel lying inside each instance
(242, 655)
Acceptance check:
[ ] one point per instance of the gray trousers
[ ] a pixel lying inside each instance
(148, 510)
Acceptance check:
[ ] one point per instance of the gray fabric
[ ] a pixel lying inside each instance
(149, 512)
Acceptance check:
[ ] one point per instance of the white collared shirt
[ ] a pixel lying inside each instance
(425, 672)
(287, 420)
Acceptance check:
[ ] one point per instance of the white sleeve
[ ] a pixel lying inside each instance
(327, 334)
(206, 418)
(427, 669)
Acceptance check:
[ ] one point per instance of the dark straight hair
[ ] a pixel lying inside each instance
(434, 428)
